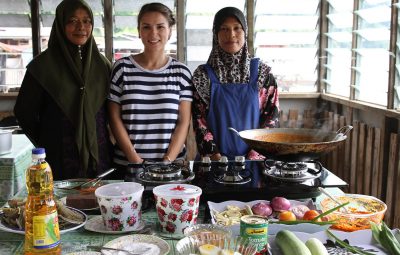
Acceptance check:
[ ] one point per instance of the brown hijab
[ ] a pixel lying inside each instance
(78, 86)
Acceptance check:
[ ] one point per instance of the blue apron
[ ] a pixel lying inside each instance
(233, 105)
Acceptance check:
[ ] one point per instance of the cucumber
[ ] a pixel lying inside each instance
(290, 244)
(316, 247)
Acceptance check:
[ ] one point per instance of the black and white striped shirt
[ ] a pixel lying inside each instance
(149, 102)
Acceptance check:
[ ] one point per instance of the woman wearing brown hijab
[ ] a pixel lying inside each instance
(60, 105)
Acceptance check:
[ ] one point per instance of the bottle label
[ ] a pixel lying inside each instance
(46, 232)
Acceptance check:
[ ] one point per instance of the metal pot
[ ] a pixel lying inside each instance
(6, 139)
(293, 144)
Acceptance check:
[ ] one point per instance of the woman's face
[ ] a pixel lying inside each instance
(79, 27)
(231, 35)
(154, 31)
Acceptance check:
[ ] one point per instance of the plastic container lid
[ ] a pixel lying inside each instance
(119, 189)
(177, 190)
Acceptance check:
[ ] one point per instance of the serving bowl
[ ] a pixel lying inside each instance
(208, 229)
(360, 211)
(208, 244)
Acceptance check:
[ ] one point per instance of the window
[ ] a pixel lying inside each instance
(47, 15)
(286, 38)
(199, 22)
(339, 37)
(397, 71)
(15, 43)
(126, 38)
(372, 51)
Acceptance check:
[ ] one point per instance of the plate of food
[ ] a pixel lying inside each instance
(12, 218)
(145, 244)
(83, 202)
(228, 214)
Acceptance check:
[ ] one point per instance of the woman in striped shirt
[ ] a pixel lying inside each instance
(150, 96)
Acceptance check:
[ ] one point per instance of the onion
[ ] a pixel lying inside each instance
(262, 209)
(280, 204)
(299, 211)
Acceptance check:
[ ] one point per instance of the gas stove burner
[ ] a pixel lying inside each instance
(291, 168)
(293, 171)
(232, 179)
(161, 173)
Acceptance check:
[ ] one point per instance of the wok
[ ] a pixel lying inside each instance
(293, 144)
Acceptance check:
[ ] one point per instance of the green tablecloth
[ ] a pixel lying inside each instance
(77, 240)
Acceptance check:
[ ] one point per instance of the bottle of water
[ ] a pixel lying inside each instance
(42, 234)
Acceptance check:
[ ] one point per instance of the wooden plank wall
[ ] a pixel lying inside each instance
(359, 160)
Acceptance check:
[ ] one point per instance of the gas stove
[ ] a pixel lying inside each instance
(239, 179)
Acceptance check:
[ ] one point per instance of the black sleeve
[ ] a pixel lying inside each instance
(27, 108)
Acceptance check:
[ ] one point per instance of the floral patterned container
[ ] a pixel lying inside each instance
(177, 206)
(120, 205)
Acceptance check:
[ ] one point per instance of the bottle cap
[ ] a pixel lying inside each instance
(38, 151)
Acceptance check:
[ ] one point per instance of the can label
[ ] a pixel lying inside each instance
(255, 229)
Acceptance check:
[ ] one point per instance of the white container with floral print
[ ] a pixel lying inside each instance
(177, 206)
(120, 205)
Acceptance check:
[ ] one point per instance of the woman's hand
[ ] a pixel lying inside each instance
(215, 157)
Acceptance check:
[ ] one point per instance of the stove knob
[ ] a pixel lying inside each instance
(223, 160)
(240, 162)
(223, 164)
(206, 161)
(206, 164)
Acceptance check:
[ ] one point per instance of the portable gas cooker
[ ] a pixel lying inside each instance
(239, 179)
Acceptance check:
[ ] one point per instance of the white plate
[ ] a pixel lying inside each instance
(96, 224)
(272, 228)
(362, 239)
(70, 227)
(124, 242)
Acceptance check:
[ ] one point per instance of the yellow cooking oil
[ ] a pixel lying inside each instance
(42, 234)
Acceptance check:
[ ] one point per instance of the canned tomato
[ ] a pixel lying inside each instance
(255, 228)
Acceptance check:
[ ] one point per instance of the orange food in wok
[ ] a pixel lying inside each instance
(287, 138)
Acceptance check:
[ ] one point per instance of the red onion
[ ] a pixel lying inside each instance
(262, 209)
(280, 204)
(299, 211)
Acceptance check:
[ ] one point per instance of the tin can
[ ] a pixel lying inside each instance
(255, 228)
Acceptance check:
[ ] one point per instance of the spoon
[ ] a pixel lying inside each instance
(100, 248)
(93, 181)
(331, 197)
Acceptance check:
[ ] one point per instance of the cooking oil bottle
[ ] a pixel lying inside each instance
(42, 233)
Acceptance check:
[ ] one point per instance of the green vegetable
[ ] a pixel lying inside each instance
(290, 244)
(294, 222)
(348, 246)
(384, 236)
(330, 211)
(316, 247)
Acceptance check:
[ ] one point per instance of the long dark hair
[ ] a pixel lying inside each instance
(157, 7)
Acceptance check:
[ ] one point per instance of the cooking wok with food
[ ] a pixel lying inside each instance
(293, 144)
